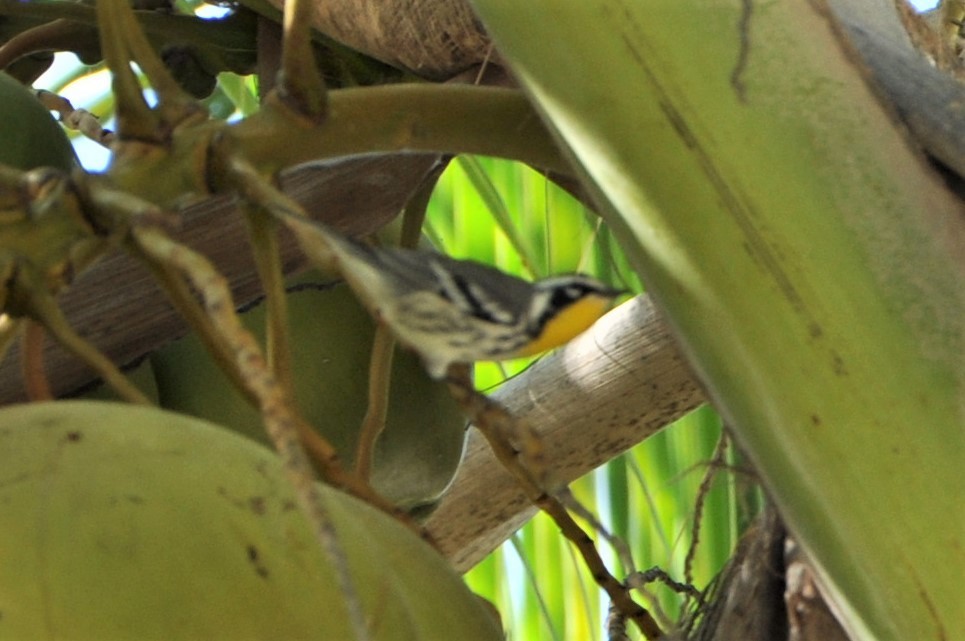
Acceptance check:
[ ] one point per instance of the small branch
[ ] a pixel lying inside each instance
(180, 296)
(263, 237)
(501, 429)
(32, 363)
(436, 118)
(715, 464)
(619, 546)
(43, 309)
(380, 378)
(135, 118)
(174, 105)
(300, 86)
(34, 40)
(77, 119)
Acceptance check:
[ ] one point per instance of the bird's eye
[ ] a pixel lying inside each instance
(565, 295)
(575, 291)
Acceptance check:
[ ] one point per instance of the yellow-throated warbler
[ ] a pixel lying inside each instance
(460, 311)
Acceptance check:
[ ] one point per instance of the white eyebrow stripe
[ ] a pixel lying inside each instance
(450, 288)
(490, 306)
(471, 298)
(537, 309)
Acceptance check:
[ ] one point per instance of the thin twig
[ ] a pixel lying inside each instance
(380, 379)
(174, 105)
(639, 579)
(496, 424)
(135, 118)
(263, 237)
(616, 625)
(32, 363)
(716, 462)
(79, 120)
(44, 310)
(35, 40)
(180, 296)
(300, 86)
(619, 545)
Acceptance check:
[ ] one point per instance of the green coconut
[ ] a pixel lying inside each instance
(29, 136)
(123, 522)
(420, 449)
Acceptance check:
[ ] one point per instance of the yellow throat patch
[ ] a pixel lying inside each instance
(571, 322)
